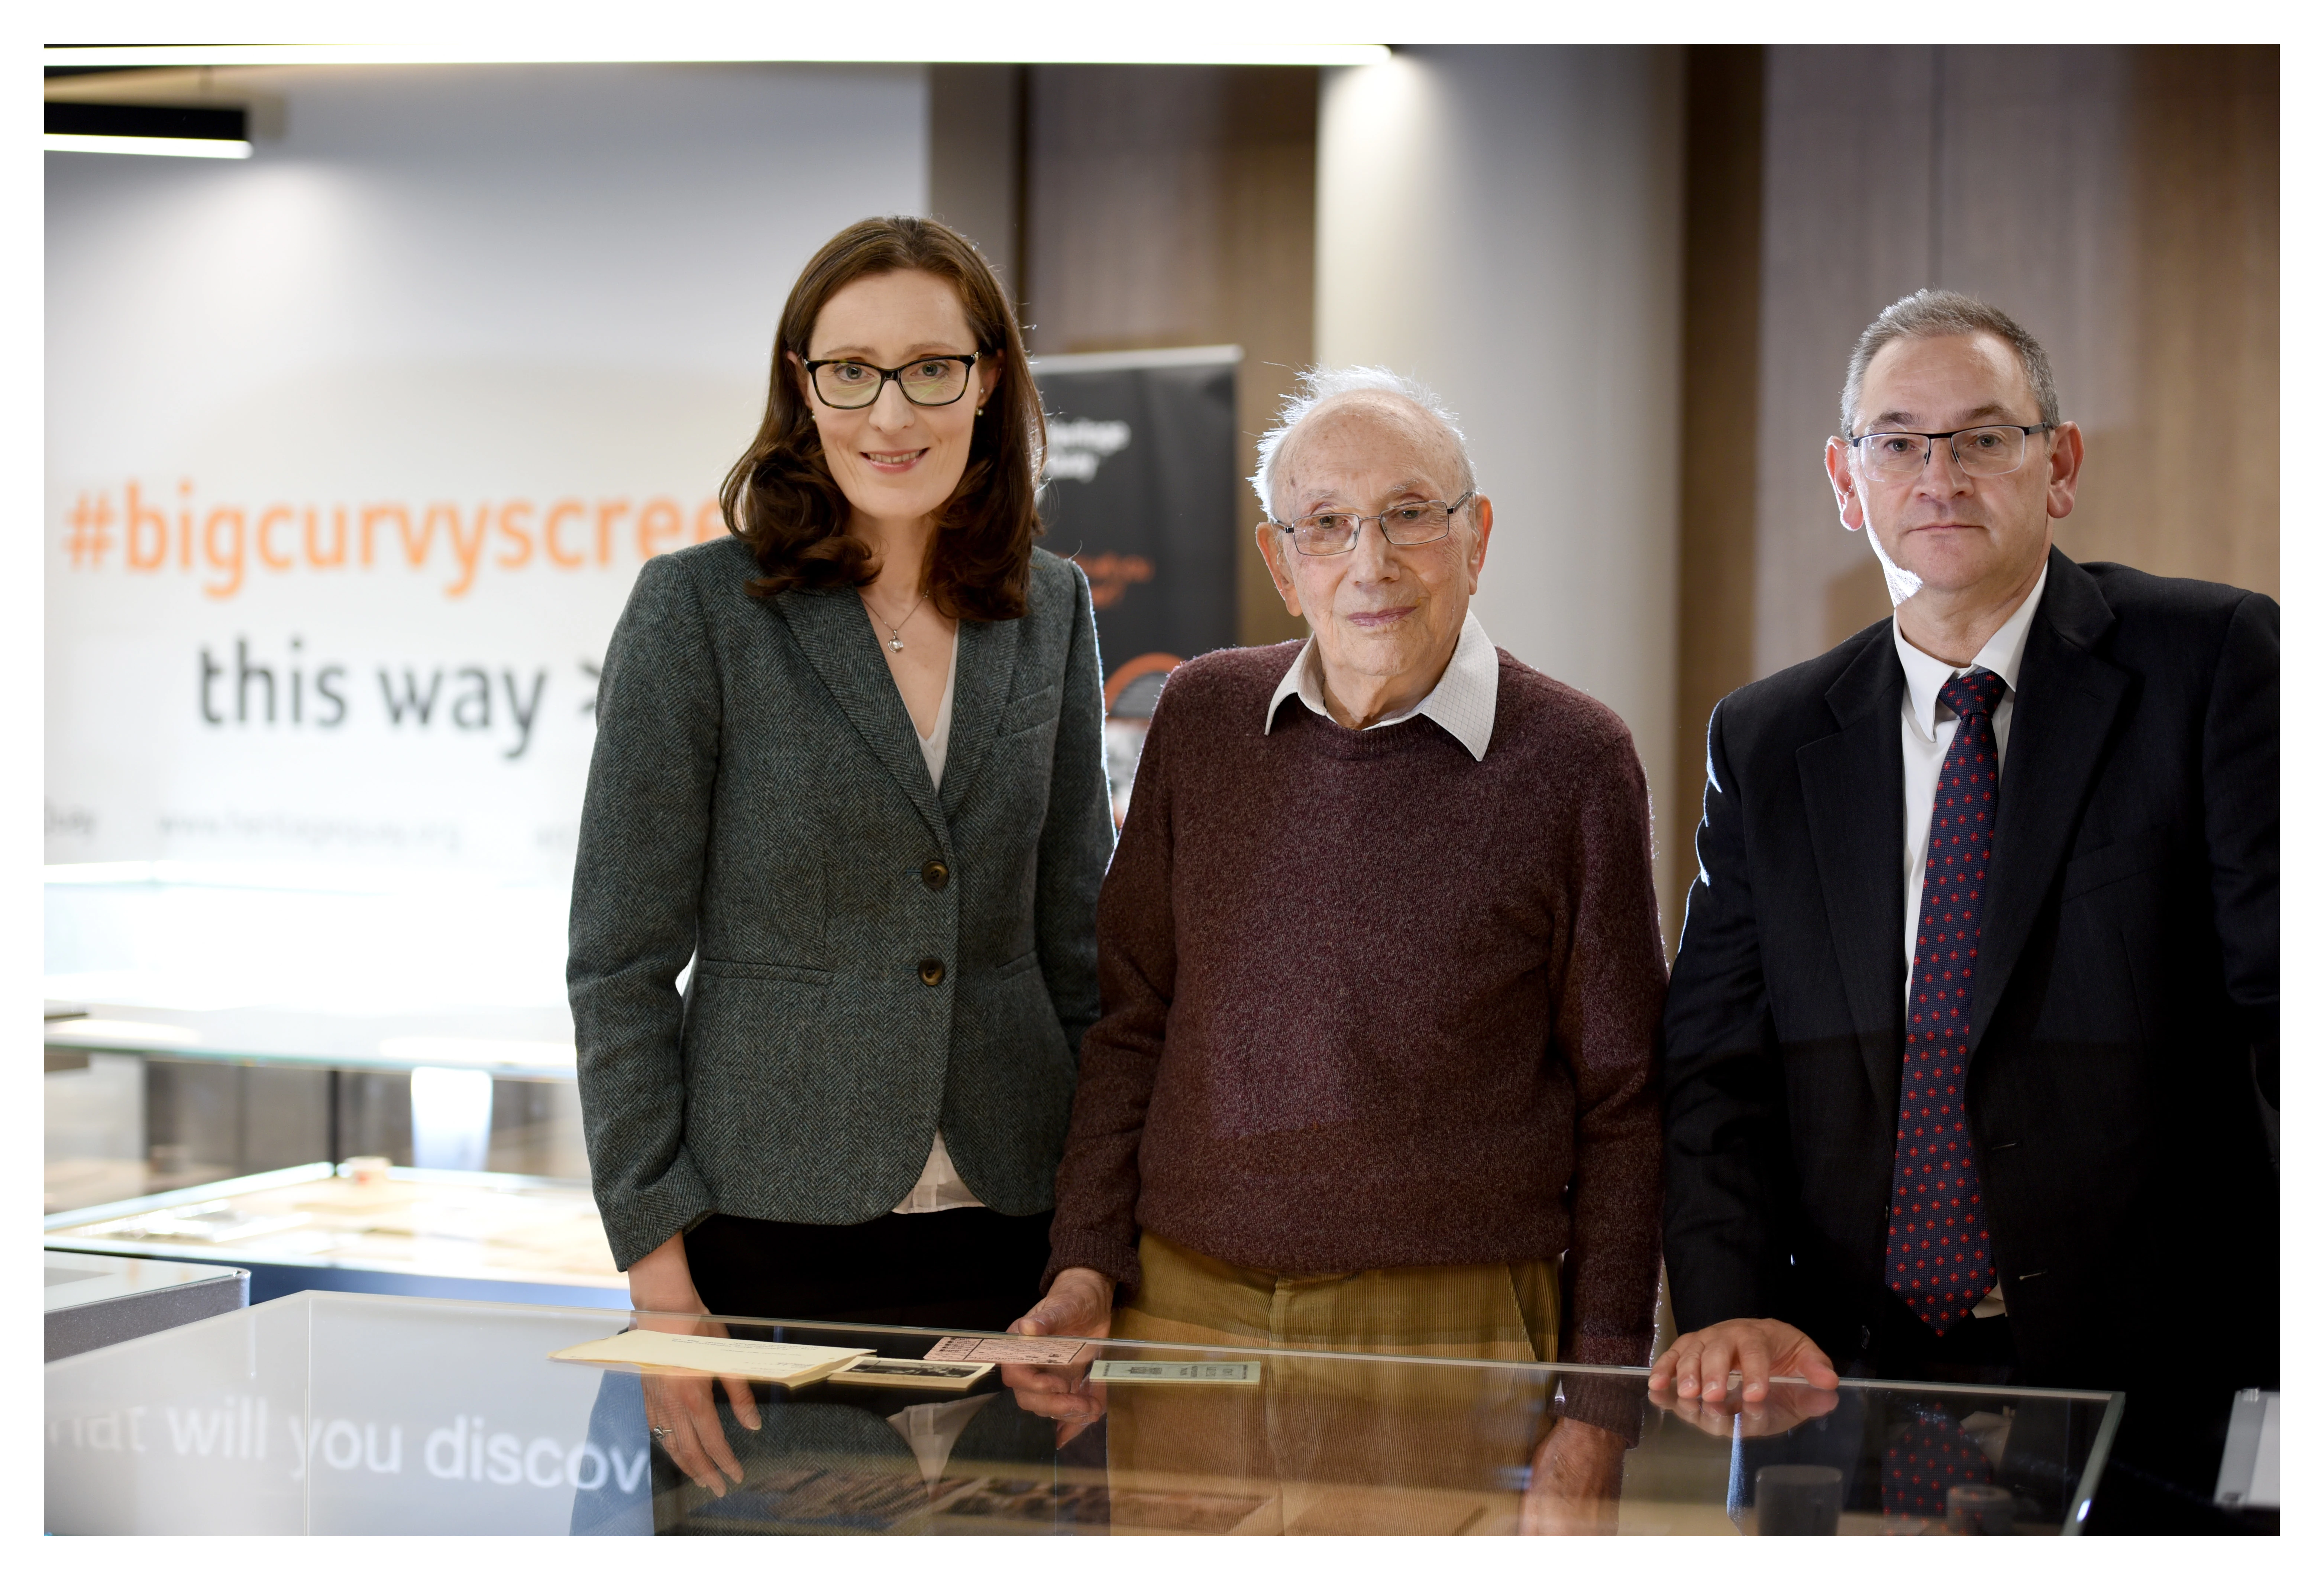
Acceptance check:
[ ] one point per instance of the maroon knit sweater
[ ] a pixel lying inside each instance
(1370, 1002)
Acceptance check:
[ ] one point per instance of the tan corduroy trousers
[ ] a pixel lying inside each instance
(1337, 1444)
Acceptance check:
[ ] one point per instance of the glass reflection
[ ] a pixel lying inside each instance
(367, 1415)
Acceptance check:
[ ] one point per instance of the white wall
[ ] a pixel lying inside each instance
(464, 286)
(1505, 224)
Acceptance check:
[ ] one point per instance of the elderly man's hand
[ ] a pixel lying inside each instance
(1062, 1394)
(1576, 1488)
(1079, 1305)
(1760, 1349)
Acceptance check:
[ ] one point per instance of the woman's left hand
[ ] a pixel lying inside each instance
(682, 1412)
(682, 1407)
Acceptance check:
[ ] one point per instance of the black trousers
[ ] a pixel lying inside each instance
(1976, 1349)
(969, 1267)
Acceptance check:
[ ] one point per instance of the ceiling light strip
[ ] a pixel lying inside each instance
(1161, 53)
(166, 147)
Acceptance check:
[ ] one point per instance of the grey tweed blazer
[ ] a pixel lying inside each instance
(872, 959)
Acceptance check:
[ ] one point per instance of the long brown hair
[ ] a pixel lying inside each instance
(781, 500)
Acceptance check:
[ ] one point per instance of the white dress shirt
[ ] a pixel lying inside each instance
(1461, 701)
(939, 1185)
(1929, 730)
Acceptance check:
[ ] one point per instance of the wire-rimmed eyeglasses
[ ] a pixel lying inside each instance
(1995, 450)
(849, 385)
(1408, 526)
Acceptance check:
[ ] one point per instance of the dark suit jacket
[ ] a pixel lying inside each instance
(2125, 992)
(758, 803)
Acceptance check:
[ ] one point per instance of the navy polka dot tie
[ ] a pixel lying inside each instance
(1928, 1455)
(1940, 1257)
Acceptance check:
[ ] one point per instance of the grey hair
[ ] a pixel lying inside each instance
(1930, 313)
(1318, 384)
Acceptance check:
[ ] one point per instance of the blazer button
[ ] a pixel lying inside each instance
(935, 875)
(932, 972)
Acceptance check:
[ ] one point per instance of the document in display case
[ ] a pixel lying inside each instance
(340, 1414)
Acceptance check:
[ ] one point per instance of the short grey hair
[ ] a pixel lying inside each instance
(1929, 314)
(1318, 384)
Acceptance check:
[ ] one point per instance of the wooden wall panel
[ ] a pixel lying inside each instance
(2120, 202)
(1176, 205)
(1718, 454)
(2185, 481)
(1846, 229)
(976, 160)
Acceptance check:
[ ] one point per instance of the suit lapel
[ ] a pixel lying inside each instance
(836, 634)
(1853, 784)
(2066, 702)
(987, 658)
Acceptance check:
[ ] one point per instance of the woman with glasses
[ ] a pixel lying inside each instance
(850, 764)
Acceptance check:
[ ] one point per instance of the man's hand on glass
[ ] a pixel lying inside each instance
(1576, 1489)
(1783, 1378)
(682, 1408)
(1062, 1394)
(1079, 1305)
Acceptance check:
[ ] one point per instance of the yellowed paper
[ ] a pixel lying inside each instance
(754, 1359)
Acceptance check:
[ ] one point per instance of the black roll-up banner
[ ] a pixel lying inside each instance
(1141, 490)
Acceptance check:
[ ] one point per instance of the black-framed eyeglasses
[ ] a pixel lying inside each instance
(1995, 450)
(929, 380)
(1407, 526)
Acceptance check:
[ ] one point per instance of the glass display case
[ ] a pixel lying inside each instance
(139, 1100)
(367, 1228)
(88, 1301)
(346, 1414)
(217, 1017)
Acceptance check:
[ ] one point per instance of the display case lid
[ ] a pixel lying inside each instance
(69, 1280)
(349, 1414)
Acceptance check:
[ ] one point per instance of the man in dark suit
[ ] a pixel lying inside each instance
(1972, 1036)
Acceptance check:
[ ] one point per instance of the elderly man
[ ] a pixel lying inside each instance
(1972, 1039)
(1379, 959)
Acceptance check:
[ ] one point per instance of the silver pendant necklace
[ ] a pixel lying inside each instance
(896, 631)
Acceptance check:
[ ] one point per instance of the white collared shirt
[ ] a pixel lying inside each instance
(1461, 701)
(1929, 728)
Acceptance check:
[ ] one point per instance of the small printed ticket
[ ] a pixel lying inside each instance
(1011, 1352)
(1174, 1371)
